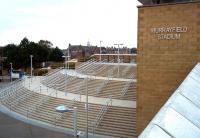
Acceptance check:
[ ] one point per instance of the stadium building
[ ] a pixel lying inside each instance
(168, 49)
(98, 98)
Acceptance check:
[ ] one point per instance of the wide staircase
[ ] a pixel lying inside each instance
(118, 89)
(30, 102)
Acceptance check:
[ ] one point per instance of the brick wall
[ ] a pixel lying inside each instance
(164, 63)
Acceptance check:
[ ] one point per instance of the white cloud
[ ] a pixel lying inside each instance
(75, 22)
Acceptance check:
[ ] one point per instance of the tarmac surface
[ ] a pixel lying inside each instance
(12, 128)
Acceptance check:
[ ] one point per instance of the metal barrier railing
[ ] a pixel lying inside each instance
(10, 93)
(84, 65)
(14, 83)
(25, 94)
(100, 88)
(18, 99)
(124, 72)
(111, 71)
(11, 89)
(58, 116)
(100, 115)
(42, 100)
(125, 88)
(102, 67)
(90, 66)
(50, 75)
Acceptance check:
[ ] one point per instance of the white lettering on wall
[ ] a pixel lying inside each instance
(169, 33)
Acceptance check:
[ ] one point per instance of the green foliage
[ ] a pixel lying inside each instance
(41, 72)
(72, 65)
(56, 65)
(133, 50)
(56, 55)
(42, 51)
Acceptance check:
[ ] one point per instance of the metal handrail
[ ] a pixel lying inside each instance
(126, 70)
(84, 65)
(46, 77)
(39, 103)
(60, 115)
(12, 84)
(101, 114)
(99, 89)
(125, 88)
(10, 93)
(102, 67)
(50, 77)
(17, 100)
(55, 78)
(10, 90)
(90, 67)
(21, 98)
(82, 70)
(111, 71)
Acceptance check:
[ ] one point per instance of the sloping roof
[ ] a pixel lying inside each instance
(180, 116)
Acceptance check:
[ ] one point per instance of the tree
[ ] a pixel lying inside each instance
(45, 43)
(24, 42)
(10, 51)
(134, 50)
(42, 51)
(45, 47)
(56, 55)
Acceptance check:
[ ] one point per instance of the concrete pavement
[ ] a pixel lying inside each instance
(13, 128)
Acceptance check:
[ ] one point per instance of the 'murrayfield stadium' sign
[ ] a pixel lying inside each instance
(169, 33)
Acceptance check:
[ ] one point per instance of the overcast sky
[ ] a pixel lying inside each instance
(69, 21)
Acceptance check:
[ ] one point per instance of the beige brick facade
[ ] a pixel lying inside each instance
(168, 48)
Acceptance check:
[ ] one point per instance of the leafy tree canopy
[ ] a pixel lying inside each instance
(56, 55)
(42, 51)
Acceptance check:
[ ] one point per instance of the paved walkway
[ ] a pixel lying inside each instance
(121, 64)
(12, 128)
(37, 87)
(76, 74)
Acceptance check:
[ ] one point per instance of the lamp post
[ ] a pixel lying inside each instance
(86, 107)
(65, 73)
(118, 56)
(63, 108)
(31, 56)
(68, 58)
(10, 71)
(87, 113)
(100, 50)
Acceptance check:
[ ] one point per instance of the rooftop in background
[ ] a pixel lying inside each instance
(151, 2)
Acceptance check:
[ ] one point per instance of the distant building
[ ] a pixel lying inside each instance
(81, 52)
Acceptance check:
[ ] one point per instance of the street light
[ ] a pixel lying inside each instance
(10, 71)
(63, 109)
(68, 58)
(118, 56)
(31, 56)
(100, 50)
(87, 107)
